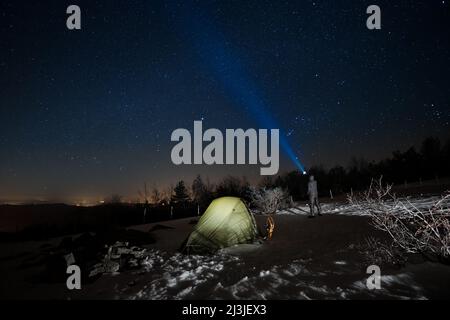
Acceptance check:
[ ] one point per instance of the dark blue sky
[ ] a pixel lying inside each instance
(87, 113)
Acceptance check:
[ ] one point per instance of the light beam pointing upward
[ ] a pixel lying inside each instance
(218, 56)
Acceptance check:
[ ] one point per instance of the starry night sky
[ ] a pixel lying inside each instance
(88, 113)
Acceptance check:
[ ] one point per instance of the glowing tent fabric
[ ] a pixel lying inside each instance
(226, 222)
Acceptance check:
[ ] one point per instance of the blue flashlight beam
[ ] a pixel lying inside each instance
(217, 54)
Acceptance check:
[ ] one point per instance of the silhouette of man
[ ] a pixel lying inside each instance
(313, 196)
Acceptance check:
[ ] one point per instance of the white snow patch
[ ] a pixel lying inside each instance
(351, 210)
(178, 276)
(264, 273)
(399, 286)
(215, 277)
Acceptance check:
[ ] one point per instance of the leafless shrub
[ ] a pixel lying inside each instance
(378, 252)
(268, 201)
(414, 230)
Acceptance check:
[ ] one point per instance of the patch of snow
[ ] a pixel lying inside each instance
(213, 277)
(351, 210)
(399, 286)
(264, 273)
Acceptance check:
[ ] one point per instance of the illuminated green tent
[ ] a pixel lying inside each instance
(226, 222)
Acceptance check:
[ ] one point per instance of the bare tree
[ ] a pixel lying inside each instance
(267, 201)
(156, 196)
(198, 190)
(166, 194)
(143, 194)
(423, 230)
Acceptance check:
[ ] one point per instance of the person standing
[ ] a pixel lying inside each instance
(313, 196)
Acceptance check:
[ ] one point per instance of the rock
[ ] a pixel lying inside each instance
(98, 269)
(70, 259)
(111, 266)
(133, 263)
(120, 256)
